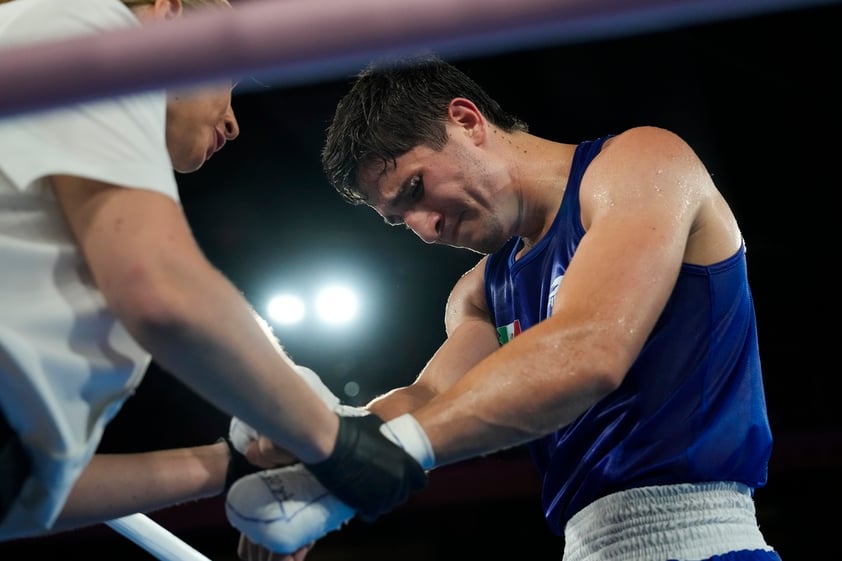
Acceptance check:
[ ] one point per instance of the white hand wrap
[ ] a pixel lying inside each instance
(284, 509)
(287, 508)
(408, 434)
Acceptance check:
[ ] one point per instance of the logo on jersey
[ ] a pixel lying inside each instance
(553, 291)
(508, 332)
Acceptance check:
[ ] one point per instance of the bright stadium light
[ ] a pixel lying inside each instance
(286, 309)
(351, 389)
(336, 304)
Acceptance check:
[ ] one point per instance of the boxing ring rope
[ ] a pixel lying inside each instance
(156, 540)
(284, 42)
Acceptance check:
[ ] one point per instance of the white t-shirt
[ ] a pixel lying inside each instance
(66, 363)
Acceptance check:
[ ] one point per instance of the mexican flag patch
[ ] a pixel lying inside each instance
(508, 332)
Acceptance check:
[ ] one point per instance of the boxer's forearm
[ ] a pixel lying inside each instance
(399, 401)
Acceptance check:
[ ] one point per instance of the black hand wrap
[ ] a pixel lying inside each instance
(238, 465)
(366, 470)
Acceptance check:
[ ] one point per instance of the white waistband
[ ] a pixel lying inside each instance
(687, 521)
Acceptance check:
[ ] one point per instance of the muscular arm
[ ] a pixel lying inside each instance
(647, 205)
(643, 199)
(192, 320)
(470, 338)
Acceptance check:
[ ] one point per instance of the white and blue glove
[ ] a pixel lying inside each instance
(287, 508)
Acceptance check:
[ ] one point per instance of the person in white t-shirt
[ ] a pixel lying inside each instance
(100, 274)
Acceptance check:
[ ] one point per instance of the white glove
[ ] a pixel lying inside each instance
(284, 509)
(240, 434)
(287, 508)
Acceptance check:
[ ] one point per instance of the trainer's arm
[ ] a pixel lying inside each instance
(117, 485)
(192, 320)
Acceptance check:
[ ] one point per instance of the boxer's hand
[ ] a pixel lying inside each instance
(285, 509)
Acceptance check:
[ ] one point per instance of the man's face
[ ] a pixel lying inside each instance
(199, 123)
(455, 196)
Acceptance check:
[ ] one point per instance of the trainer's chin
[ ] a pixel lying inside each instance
(188, 163)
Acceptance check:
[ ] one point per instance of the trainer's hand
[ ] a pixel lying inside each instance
(241, 435)
(258, 450)
(367, 470)
(264, 453)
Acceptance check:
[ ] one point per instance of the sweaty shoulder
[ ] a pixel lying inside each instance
(650, 149)
(653, 171)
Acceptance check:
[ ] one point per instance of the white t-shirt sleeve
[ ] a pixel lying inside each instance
(121, 140)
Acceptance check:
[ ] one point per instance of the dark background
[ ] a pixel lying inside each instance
(757, 97)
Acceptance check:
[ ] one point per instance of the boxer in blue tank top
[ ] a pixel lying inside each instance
(609, 324)
(691, 407)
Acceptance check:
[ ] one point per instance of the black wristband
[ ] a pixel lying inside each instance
(366, 470)
(238, 465)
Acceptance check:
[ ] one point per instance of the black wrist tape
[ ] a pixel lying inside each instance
(238, 465)
(366, 470)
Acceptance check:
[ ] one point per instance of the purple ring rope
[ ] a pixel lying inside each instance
(288, 41)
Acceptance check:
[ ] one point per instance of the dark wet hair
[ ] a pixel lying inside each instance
(393, 106)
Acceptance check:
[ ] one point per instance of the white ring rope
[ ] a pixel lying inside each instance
(155, 539)
(296, 40)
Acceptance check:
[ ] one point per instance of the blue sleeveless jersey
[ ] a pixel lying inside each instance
(692, 406)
